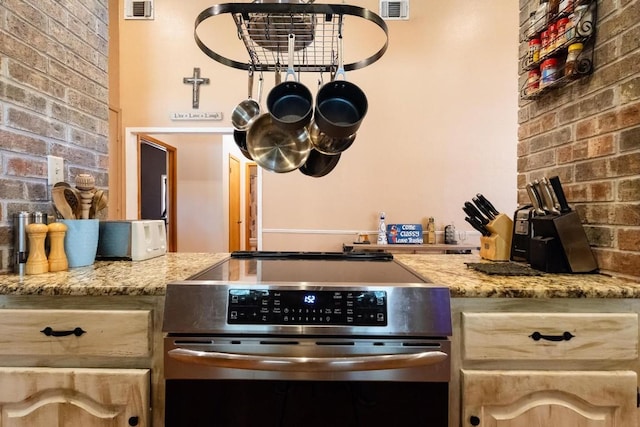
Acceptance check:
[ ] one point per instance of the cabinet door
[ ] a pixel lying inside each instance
(549, 399)
(60, 397)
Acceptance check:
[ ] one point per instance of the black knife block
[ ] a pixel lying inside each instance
(522, 234)
(560, 245)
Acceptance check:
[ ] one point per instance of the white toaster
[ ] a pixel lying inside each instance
(134, 240)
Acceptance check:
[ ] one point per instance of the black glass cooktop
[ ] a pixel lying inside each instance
(312, 267)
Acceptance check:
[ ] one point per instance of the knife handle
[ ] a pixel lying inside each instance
(487, 204)
(479, 227)
(562, 199)
(548, 197)
(476, 213)
(482, 208)
(535, 200)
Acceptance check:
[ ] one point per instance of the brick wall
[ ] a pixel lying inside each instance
(588, 133)
(53, 101)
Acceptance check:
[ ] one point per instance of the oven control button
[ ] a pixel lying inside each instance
(380, 317)
(233, 315)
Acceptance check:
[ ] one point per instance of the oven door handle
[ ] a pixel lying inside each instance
(307, 364)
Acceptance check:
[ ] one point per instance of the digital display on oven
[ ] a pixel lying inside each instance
(299, 307)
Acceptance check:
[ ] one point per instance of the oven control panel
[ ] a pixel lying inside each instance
(300, 307)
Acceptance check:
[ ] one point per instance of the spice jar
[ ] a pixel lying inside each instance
(574, 50)
(534, 50)
(533, 82)
(561, 28)
(544, 46)
(548, 72)
(553, 36)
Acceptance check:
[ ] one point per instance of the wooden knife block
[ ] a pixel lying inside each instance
(497, 246)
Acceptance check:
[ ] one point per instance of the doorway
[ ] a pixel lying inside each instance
(235, 220)
(157, 185)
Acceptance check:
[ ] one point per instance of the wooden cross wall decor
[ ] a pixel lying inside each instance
(196, 81)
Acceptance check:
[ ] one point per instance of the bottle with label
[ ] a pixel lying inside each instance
(548, 72)
(574, 51)
(431, 231)
(382, 230)
(534, 50)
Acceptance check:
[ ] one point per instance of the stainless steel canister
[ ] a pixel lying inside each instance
(39, 218)
(20, 241)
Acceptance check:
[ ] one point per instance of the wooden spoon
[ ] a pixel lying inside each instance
(60, 203)
(98, 203)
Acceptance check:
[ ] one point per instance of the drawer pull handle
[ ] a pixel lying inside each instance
(48, 331)
(537, 336)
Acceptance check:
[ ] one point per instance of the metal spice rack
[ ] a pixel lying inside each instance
(584, 32)
(264, 28)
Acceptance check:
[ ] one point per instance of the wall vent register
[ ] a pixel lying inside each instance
(134, 9)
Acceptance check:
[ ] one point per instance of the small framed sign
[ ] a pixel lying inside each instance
(404, 234)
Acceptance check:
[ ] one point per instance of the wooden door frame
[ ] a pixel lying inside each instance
(239, 196)
(247, 203)
(172, 180)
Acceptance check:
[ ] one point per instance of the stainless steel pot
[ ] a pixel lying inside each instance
(277, 149)
(248, 110)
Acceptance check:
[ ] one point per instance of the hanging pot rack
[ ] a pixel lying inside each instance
(264, 28)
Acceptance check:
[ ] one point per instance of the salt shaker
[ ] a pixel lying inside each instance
(37, 262)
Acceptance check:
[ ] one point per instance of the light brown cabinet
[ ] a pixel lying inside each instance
(545, 363)
(80, 361)
(65, 397)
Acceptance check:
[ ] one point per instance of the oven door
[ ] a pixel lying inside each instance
(289, 381)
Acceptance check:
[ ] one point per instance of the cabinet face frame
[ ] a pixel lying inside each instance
(541, 305)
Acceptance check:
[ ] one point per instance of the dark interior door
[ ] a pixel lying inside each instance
(153, 179)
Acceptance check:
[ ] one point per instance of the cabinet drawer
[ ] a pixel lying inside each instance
(112, 333)
(550, 336)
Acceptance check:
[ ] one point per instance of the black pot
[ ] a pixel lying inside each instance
(291, 105)
(340, 108)
(240, 137)
(319, 164)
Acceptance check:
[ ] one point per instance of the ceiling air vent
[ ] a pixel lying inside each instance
(134, 9)
(390, 10)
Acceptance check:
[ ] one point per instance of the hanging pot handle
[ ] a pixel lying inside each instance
(250, 80)
(290, 70)
(260, 81)
(340, 70)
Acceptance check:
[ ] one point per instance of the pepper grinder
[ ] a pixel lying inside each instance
(57, 257)
(37, 261)
(87, 185)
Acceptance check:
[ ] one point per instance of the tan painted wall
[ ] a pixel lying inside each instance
(441, 124)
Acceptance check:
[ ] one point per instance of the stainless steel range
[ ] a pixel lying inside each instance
(306, 339)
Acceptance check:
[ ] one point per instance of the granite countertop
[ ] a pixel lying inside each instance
(148, 277)
(464, 282)
(151, 276)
